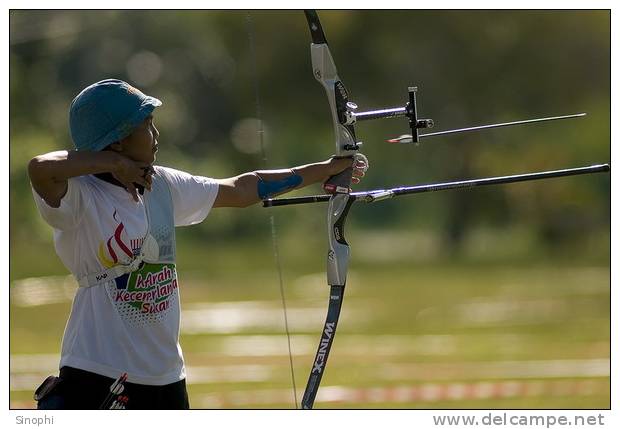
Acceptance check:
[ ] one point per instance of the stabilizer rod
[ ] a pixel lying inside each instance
(382, 194)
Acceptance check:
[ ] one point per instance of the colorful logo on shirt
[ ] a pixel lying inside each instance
(149, 289)
(118, 249)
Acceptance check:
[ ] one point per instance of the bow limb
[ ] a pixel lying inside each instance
(337, 266)
(324, 70)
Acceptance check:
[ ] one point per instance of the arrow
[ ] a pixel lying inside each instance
(407, 138)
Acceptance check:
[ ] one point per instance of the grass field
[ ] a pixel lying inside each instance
(461, 335)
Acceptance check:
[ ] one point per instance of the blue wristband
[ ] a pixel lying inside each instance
(268, 188)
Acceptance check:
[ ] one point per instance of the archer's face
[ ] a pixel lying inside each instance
(141, 145)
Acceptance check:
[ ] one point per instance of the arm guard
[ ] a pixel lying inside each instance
(269, 188)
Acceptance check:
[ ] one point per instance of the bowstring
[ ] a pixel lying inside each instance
(272, 220)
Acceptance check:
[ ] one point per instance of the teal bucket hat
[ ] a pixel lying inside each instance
(106, 112)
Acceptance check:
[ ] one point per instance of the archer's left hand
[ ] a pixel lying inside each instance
(356, 166)
(360, 165)
(358, 162)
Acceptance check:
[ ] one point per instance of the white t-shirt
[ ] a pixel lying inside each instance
(109, 332)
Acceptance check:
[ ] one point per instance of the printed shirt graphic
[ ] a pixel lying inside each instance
(115, 251)
(130, 324)
(146, 295)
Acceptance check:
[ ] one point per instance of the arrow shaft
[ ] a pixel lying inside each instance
(501, 125)
(115, 389)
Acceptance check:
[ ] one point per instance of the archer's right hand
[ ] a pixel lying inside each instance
(131, 173)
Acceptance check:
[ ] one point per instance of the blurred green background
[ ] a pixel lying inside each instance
(485, 298)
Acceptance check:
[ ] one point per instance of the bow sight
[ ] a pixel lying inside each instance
(410, 111)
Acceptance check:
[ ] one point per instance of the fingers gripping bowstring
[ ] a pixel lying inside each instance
(274, 235)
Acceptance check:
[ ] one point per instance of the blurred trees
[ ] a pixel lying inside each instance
(472, 67)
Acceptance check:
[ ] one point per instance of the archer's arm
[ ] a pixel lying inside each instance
(250, 188)
(49, 172)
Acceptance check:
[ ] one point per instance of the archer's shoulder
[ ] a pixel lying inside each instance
(170, 174)
(174, 176)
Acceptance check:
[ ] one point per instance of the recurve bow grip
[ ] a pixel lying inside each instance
(339, 183)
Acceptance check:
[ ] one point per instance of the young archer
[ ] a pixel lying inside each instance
(113, 214)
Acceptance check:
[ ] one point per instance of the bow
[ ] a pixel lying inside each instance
(340, 199)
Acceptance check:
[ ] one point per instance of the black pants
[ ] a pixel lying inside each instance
(83, 390)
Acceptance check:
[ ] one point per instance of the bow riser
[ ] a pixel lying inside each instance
(326, 74)
(339, 251)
